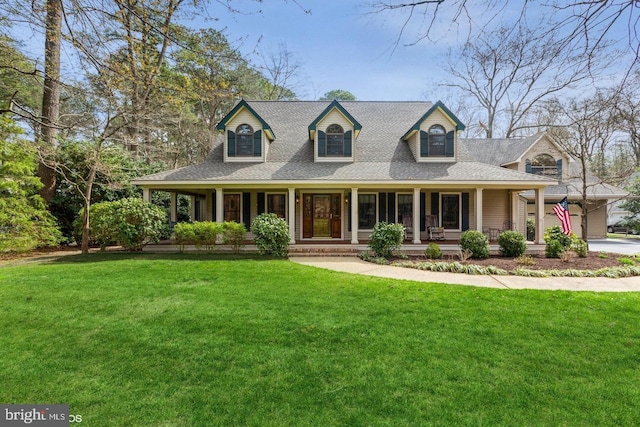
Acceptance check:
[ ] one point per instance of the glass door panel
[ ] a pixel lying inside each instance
(321, 216)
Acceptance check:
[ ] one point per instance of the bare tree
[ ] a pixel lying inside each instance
(627, 109)
(509, 71)
(283, 71)
(588, 23)
(585, 129)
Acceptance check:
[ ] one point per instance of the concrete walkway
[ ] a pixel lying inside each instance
(357, 266)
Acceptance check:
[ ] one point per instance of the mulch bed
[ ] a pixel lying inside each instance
(593, 261)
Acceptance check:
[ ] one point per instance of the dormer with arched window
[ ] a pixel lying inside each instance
(333, 133)
(247, 135)
(545, 165)
(433, 137)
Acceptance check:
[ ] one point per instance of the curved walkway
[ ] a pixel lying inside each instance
(357, 266)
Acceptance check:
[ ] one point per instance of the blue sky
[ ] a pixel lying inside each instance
(339, 47)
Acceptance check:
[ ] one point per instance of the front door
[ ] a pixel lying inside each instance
(322, 215)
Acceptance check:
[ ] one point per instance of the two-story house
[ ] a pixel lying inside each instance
(334, 169)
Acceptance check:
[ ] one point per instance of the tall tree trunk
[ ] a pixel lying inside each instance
(84, 247)
(51, 94)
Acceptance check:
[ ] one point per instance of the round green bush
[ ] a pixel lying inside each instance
(476, 243)
(385, 238)
(433, 251)
(580, 247)
(553, 249)
(556, 242)
(512, 244)
(271, 234)
(555, 233)
(131, 222)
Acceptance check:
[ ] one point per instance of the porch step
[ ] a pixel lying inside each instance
(316, 251)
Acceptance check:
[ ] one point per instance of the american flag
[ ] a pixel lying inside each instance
(562, 212)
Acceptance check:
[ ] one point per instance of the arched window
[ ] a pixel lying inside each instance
(335, 140)
(437, 136)
(544, 164)
(244, 140)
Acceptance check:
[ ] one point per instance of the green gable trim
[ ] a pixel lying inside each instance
(334, 105)
(445, 110)
(239, 106)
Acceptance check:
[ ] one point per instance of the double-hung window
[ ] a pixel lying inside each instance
(367, 212)
(451, 211)
(244, 140)
(437, 139)
(277, 204)
(335, 140)
(232, 207)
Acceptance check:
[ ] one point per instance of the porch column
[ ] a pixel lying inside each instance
(173, 208)
(539, 239)
(416, 216)
(292, 216)
(354, 216)
(219, 205)
(209, 204)
(146, 194)
(479, 207)
(192, 210)
(514, 213)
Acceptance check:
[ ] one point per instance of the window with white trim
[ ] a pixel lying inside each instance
(451, 210)
(277, 204)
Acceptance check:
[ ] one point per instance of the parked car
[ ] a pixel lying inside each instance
(621, 227)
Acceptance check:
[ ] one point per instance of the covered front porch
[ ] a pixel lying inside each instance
(320, 216)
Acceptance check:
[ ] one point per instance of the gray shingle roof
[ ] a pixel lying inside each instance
(379, 152)
(496, 151)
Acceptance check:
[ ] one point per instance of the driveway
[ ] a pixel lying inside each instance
(619, 246)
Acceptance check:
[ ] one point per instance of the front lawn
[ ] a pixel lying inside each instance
(196, 340)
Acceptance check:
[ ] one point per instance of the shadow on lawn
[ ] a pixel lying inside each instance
(111, 256)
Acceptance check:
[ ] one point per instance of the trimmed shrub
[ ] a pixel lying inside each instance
(271, 234)
(184, 234)
(476, 243)
(233, 235)
(580, 247)
(100, 233)
(385, 238)
(433, 251)
(131, 222)
(512, 244)
(555, 234)
(206, 234)
(553, 249)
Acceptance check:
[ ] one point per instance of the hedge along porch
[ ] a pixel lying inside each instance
(332, 170)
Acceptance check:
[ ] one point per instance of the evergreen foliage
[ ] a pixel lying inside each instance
(271, 234)
(130, 222)
(512, 243)
(25, 223)
(476, 243)
(385, 238)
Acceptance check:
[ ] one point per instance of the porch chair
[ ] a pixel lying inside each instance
(407, 222)
(508, 225)
(486, 230)
(434, 230)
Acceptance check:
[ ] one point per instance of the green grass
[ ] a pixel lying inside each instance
(186, 340)
(622, 236)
